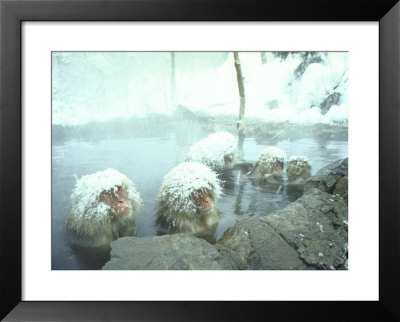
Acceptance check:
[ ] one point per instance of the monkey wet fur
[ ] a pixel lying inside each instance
(104, 206)
(269, 166)
(187, 198)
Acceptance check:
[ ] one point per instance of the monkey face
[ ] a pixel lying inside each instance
(298, 171)
(277, 168)
(228, 159)
(203, 200)
(118, 201)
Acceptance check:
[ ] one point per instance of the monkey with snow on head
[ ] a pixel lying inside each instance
(298, 170)
(269, 166)
(217, 151)
(186, 202)
(104, 206)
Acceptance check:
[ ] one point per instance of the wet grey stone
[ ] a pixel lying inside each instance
(172, 252)
(311, 233)
(326, 178)
(342, 188)
(253, 244)
(316, 226)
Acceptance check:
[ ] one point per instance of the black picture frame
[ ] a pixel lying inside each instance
(14, 12)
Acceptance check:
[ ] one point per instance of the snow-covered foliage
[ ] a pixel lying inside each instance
(269, 157)
(212, 150)
(319, 83)
(100, 86)
(90, 220)
(309, 58)
(175, 206)
(298, 167)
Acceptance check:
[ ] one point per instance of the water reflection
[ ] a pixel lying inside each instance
(146, 161)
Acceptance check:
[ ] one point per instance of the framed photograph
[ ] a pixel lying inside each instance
(207, 162)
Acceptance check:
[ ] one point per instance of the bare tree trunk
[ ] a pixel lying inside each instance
(263, 57)
(173, 85)
(240, 123)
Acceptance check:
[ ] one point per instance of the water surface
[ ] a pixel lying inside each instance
(146, 161)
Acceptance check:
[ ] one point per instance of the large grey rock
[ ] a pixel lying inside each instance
(327, 178)
(310, 233)
(316, 226)
(342, 188)
(173, 252)
(253, 244)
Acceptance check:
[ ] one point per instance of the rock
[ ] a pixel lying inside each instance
(326, 178)
(172, 252)
(316, 225)
(253, 244)
(342, 188)
(310, 233)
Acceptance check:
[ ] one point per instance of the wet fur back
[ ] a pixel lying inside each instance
(91, 232)
(173, 221)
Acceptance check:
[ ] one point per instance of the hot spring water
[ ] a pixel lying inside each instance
(146, 161)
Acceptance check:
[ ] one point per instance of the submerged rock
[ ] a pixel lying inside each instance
(172, 252)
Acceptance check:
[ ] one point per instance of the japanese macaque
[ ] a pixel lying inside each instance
(104, 206)
(186, 202)
(269, 166)
(298, 170)
(217, 151)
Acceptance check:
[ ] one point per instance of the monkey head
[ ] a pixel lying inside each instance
(216, 151)
(271, 161)
(104, 206)
(298, 169)
(186, 202)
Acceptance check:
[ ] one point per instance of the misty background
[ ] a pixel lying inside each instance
(280, 86)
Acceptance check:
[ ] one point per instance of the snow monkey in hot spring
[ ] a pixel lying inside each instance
(186, 202)
(216, 151)
(298, 170)
(104, 206)
(269, 166)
